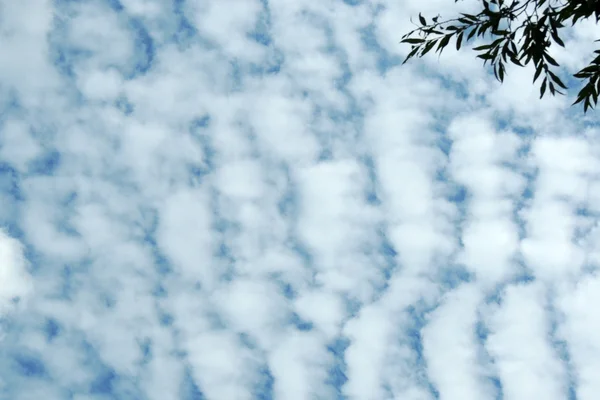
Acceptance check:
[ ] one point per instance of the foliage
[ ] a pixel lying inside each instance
(542, 21)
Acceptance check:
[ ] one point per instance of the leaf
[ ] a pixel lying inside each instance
(537, 74)
(484, 47)
(482, 29)
(435, 19)
(589, 69)
(580, 96)
(556, 79)
(556, 38)
(412, 40)
(543, 88)
(472, 33)
(443, 43)
(459, 39)
(516, 62)
(469, 16)
(410, 55)
(428, 47)
(552, 89)
(422, 20)
(550, 59)
(501, 72)
(485, 56)
(431, 30)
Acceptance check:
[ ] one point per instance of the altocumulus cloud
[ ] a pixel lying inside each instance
(250, 199)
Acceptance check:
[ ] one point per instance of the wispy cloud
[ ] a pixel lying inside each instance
(253, 200)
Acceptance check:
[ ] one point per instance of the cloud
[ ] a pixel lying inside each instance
(253, 200)
(15, 278)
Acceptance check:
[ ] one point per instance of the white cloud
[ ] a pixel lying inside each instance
(291, 217)
(300, 365)
(519, 343)
(15, 282)
(451, 349)
(580, 322)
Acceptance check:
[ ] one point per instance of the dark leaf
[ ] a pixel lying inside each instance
(516, 62)
(556, 79)
(469, 16)
(557, 39)
(484, 47)
(443, 43)
(422, 20)
(471, 34)
(428, 47)
(483, 28)
(580, 96)
(550, 59)
(543, 88)
(410, 55)
(590, 69)
(431, 31)
(538, 71)
(412, 40)
(459, 40)
(501, 72)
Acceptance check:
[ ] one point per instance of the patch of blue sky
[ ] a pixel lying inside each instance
(288, 204)
(116, 5)
(262, 29)
(10, 182)
(52, 328)
(302, 325)
(185, 32)
(560, 347)
(189, 389)
(28, 364)
(64, 58)
(69, 283)
(11, 196)
(263, 388)
(412, 329)
(352, 306)
(385, 60)
(482, 333)
(337, 371)
(46, 164)
(452, 275)
(145, 48)
(353, 2)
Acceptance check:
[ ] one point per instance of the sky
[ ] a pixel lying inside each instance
(255, 200)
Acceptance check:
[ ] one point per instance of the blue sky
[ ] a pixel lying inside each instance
(244, 199)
